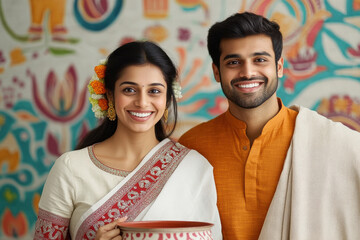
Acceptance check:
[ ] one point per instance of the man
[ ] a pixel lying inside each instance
(280, 173)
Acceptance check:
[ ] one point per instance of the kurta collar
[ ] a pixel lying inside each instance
(233, 121)
(277, 120)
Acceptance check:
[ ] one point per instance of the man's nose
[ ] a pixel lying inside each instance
(247, 70)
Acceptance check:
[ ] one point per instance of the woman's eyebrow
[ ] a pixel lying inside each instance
(128, 83)
(157, 84)
(135, 84)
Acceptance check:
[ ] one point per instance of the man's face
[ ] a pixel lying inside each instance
(248, 73)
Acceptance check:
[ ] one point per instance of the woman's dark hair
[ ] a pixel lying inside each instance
(135, 53)
(242, 25)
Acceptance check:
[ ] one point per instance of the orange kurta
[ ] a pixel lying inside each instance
(245, 178)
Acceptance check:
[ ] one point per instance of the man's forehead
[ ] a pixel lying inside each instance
(250, 46)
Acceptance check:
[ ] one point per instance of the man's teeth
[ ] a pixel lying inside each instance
(136, 114)
(250, 85)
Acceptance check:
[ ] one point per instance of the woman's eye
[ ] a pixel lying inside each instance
(154, 91)
(128, 90)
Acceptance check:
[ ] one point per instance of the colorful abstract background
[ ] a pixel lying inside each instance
(48, 49)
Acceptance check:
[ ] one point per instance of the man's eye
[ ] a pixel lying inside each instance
(260, 60)
(233, 62)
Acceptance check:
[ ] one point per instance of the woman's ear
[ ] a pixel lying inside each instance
(109, 96)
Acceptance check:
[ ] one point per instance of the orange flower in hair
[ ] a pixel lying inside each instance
(103, 104)
(100, 71)
(99, 87)
(97, 91)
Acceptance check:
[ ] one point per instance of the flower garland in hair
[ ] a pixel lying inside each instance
(177, 90)
(97, 91)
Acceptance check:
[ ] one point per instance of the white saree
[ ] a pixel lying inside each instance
(318, 194)
(171, 183)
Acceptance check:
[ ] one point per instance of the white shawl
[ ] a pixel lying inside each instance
(318, 194)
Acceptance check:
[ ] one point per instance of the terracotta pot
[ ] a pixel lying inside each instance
(166, 230)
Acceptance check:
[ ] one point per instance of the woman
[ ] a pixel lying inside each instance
(128, 168)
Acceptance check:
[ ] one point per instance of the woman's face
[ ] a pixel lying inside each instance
(140, 98)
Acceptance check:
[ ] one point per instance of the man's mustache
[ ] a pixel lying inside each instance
(242, 79)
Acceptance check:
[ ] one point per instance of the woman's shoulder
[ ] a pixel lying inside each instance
(73, 158)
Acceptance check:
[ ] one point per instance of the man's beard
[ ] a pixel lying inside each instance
(246, 100)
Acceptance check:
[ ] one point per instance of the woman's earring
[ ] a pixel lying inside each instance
(111, 112)
(166, 115)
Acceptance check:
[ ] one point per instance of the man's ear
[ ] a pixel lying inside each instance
(216, 72)
(280, 67)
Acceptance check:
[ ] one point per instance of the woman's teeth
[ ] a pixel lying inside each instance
(141, 115)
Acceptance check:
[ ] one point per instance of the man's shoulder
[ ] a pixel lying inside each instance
(203, 130)
(313, 121)
(207, 127)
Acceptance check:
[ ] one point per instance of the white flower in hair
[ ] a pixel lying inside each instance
(177, 89)
(103, 61)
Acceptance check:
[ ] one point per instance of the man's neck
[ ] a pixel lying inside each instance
(256, 118)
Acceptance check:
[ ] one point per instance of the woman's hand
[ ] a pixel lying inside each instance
(110, 231)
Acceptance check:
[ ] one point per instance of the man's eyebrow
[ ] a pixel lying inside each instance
(232, 56)
(263, 53)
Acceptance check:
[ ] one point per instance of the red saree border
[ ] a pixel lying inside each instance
(51, 226)
(138, 192)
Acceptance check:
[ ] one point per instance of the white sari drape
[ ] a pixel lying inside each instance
(318, 194)
(171, 183)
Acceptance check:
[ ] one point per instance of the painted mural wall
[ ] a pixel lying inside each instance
(48, 50)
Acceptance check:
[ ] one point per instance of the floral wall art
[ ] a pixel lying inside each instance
(48, 50)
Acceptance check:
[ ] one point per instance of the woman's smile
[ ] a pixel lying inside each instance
(142, 116)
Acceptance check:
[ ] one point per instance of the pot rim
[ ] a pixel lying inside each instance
(164, 226)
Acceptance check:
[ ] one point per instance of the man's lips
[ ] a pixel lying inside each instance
(247, 85)
(243, 80)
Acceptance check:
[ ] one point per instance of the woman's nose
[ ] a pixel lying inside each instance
(142, 99)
